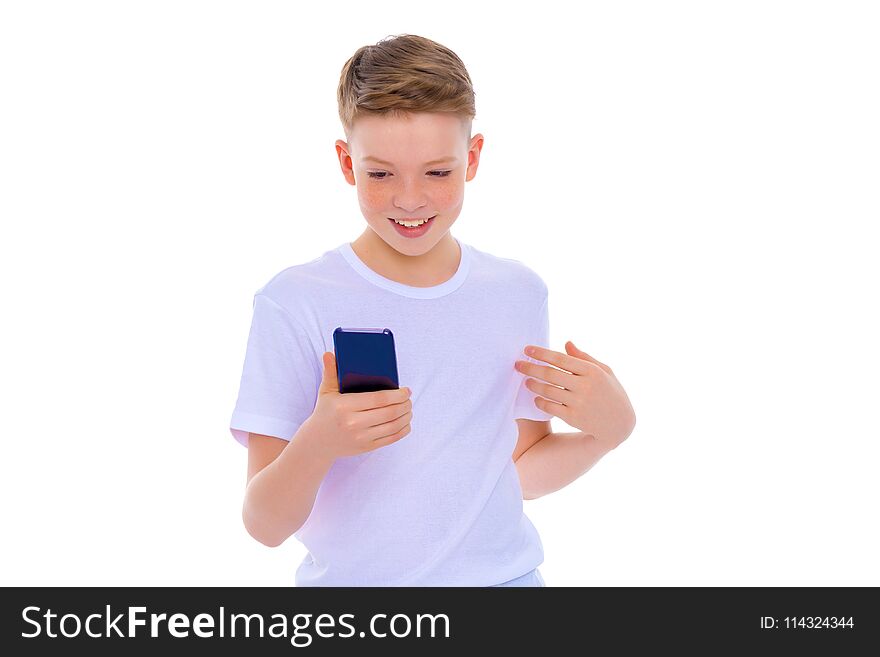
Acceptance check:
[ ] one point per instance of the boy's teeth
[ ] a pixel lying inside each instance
(410, 224)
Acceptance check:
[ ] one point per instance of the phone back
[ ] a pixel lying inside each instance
(365, 359)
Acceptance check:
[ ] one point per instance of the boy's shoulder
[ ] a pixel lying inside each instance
(508, 271)
(299, 278)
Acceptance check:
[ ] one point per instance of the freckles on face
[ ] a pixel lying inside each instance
(383, 198)
(447, 197)
(372, 198)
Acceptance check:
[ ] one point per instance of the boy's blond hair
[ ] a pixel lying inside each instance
(402, 74)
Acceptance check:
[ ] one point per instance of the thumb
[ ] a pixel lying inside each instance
(574, 351)
(329, 380)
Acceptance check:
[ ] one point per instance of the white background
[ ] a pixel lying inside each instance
(696, 182)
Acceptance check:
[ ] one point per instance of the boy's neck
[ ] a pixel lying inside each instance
(428, 270)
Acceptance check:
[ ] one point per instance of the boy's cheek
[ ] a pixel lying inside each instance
(447, 197)
(373, 199)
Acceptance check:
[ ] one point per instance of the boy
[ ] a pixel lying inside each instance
(420, 486)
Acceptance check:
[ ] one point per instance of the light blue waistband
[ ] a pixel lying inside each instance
(532, 578)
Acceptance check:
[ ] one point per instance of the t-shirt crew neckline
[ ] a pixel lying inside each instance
(431, 292)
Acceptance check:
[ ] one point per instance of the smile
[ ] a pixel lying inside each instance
(411, 223)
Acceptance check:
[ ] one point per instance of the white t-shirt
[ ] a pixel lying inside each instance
(443, 505)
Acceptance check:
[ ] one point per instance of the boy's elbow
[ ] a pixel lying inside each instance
(630, 427)
(264, 541)
(256, 533)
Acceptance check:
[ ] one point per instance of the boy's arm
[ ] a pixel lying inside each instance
(529, 432)
(280, 496)
(586, 395)
(557, 460)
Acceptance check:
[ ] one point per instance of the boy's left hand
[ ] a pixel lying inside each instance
(588, 397)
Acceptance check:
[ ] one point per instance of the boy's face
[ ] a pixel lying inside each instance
(408, 185)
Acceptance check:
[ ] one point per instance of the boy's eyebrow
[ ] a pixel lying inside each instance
(449, 158)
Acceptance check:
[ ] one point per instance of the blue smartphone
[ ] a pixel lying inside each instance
(365, 359)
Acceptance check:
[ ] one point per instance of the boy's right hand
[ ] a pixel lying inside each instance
(356, 422)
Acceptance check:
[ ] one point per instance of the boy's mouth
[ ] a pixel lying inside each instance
(410, 223)
(414, 231)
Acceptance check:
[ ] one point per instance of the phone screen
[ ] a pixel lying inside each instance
(365, 359)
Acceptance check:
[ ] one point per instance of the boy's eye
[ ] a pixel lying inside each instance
(381, 175)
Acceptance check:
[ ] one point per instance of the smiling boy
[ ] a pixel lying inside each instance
(421, 486)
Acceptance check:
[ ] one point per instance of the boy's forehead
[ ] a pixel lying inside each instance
(420, 138)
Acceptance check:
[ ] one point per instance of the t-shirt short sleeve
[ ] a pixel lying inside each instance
(280, 376)
(525, 400)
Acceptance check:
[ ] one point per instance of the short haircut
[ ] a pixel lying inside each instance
(403, 74)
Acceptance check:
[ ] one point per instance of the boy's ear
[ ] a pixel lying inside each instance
(473, 155)
(345, 162)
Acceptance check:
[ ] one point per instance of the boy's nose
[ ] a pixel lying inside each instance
(410, 209)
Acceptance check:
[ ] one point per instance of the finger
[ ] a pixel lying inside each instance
(329, 380)
(390, 428)
(387, 440)
(571, 364)
(377, 416)
(549, 374)
(574, 351)
(555, 409)
(559, 395)
(365, 401)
